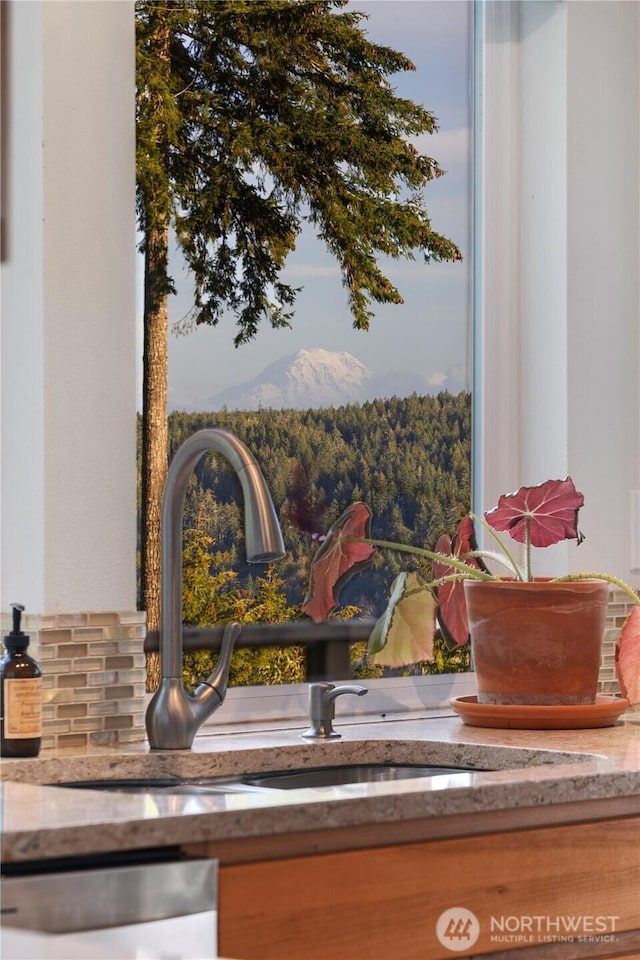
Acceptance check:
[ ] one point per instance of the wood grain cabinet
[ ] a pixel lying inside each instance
(551, 892)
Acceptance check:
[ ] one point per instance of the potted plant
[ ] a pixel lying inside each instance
(535, 642)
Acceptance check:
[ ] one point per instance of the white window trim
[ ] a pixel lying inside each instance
(557, 304)
(520, 298)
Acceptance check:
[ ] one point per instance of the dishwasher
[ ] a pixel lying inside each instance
(151, 906)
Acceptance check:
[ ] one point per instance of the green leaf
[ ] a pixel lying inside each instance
(405, 631)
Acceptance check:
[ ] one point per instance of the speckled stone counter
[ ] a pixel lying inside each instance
(521, 777)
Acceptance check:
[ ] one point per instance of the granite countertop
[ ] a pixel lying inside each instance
(519, 773)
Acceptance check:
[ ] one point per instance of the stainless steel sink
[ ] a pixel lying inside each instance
(356, 773)
(331, 776)
(188, 785)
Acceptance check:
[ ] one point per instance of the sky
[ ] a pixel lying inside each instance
(429, 334)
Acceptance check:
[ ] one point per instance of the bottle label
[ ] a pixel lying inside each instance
(22, 708)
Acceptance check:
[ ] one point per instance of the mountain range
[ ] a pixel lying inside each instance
(313, 379)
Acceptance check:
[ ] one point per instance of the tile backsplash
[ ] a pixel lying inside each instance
(619, 607)
(93, 669)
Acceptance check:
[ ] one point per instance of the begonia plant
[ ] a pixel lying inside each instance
(537, 516)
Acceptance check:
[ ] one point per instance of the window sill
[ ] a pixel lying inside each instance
(386, 696)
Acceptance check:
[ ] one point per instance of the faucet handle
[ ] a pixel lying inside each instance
(322, 699)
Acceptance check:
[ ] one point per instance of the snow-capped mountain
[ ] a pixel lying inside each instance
(324, 378)
(308, 378)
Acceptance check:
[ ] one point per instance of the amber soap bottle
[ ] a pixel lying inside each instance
(20, 695)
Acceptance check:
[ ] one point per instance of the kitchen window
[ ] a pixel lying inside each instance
(422, 347)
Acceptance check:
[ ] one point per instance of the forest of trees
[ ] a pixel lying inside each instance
(408, 459)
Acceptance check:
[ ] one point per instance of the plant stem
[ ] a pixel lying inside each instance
(452, 577)
(527, 548)
(494, 557)
(511, 562)
(471, 572)
(569, 577)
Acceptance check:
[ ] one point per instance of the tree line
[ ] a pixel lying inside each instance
(407, 458)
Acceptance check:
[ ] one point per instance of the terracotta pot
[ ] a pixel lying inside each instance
(538, 642)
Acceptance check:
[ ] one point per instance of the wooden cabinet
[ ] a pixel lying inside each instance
(558, 891)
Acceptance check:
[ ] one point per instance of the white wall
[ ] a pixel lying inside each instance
(68, 309)
(603, 203)
(559, 229)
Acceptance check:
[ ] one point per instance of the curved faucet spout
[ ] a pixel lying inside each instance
(174, 716)
(219, 678)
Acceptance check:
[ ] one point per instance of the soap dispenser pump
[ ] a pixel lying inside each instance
(20, 695)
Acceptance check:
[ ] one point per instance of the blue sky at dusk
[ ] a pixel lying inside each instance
(429, 333)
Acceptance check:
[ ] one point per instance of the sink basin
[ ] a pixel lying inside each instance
(189, 785)
(355, 773)
(333, 776)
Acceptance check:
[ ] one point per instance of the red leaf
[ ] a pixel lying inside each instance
(337, 560)
(452, 612)
(551, 510)
(627, 653)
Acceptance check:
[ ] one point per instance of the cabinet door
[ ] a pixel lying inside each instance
(574, 884)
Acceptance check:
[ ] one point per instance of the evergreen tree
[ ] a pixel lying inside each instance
(251, 118)
(412, 484)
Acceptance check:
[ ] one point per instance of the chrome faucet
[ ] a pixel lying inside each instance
(174, 716)
(322, 705)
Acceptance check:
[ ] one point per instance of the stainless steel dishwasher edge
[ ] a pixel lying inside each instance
(163, 910)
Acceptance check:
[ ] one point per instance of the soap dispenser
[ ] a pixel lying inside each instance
(20, 695)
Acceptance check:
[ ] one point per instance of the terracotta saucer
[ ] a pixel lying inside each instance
(603, 713)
